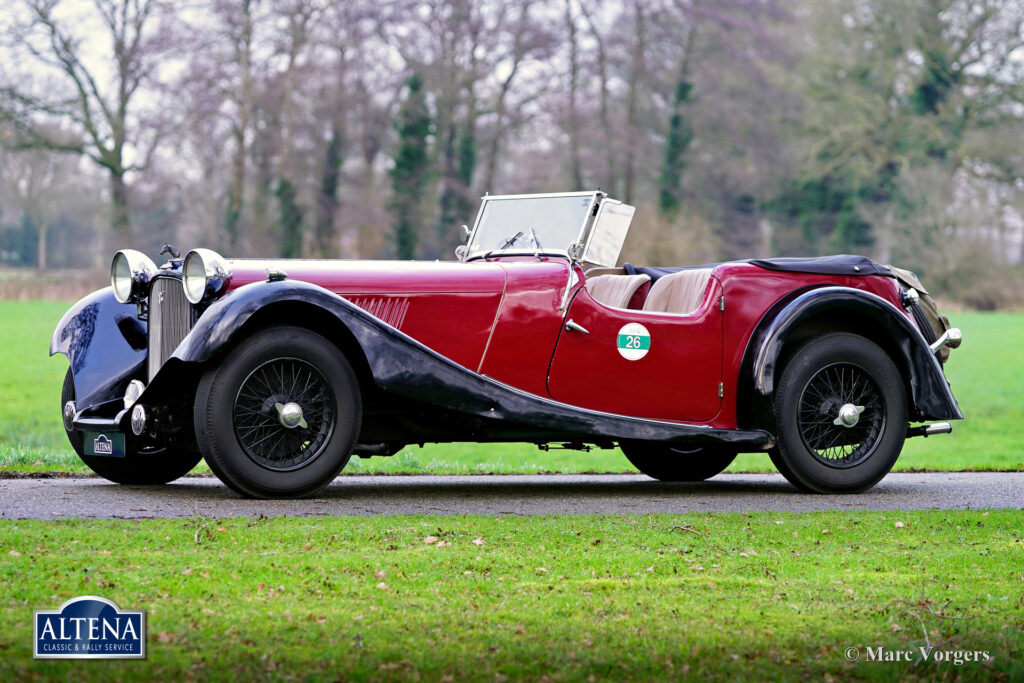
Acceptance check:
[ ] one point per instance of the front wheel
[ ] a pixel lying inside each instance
(279, 417)
(140, 467)
(665, 463)
(841, 411)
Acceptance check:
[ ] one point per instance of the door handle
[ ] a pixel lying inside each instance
(571, 325)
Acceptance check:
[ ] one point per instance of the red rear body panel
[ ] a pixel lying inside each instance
(750, 291)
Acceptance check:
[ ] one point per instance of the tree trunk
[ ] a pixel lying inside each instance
(292, 214)
(120, 220)
(368, 241)
(326, 236)
(449, 194)
(606, 121)
(679, 136)
(44, 227)
(492, 157)
(371, 236)
(636, 69)
(236, 193)
(234, 209)
(467, 162)
(574, 128)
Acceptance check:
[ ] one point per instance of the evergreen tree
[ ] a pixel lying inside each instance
(326, 236)
(412, 166)
(467, 165)
(680, 134)
(291, 219)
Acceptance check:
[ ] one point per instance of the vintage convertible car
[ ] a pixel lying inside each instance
(278, 371)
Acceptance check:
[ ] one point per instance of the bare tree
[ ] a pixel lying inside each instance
(609, 178)
(528, 41)
(95, 99)
(239, 20)
(298, 16)
(575, 164)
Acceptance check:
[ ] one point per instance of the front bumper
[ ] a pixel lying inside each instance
(87, 420)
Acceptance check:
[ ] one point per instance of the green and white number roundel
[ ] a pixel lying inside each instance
(633, 342)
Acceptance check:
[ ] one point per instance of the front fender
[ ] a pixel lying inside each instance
(931, 397)
(105, 343)
(400, 364)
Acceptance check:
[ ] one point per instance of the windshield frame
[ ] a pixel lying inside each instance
(596, 197)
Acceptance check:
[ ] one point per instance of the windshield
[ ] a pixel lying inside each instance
(530, 224)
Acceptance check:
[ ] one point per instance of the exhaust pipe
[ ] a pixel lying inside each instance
(930, 430)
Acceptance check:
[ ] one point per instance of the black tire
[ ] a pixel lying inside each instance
(145, 467)
(238, 414)
(677, 464)
(825, 374)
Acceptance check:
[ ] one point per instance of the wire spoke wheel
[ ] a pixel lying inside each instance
(841, 415)
(141, 466)
(284, 414)
(677, 464)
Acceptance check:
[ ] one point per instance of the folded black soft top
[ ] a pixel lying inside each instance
(840, 264)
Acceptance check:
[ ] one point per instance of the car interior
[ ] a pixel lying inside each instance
(680, 292)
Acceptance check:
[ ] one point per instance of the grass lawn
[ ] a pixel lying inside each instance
(987, 375)
(757, 596)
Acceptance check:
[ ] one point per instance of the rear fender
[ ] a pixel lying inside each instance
(930, 395)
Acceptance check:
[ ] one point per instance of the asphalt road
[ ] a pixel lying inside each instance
(502, 495)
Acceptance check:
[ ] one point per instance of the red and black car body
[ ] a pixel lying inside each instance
(513, 342)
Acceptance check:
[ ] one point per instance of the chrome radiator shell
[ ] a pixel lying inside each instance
(171, 318)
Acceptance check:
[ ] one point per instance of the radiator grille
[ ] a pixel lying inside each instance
(390, 309)
(171, 317)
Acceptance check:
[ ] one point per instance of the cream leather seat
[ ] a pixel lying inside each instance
(616, 290)
(680, 292)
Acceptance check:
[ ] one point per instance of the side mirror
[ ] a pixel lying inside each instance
(466, 232)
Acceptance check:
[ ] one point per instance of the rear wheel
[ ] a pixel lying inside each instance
(145, 467)
(279, 417)
(665, 463)
(841, 411)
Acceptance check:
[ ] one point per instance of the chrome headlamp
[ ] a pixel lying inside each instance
(130, 273)
(204, 275)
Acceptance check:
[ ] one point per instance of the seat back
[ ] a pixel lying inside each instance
(616, 290)
(680, 292)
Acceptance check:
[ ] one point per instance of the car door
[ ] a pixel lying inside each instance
(640, 363)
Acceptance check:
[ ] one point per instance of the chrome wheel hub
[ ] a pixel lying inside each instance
(849, 416)
(290, 415)
(69, 415)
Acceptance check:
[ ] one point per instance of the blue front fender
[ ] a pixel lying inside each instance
(105, 343)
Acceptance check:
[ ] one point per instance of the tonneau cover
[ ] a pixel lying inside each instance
(840, 264)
